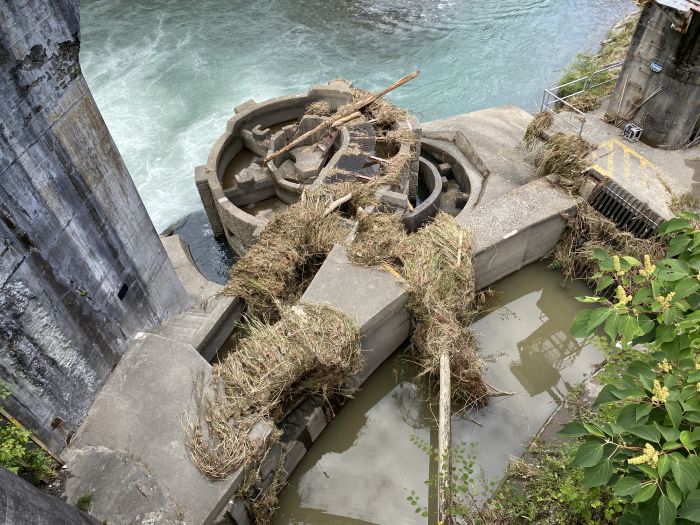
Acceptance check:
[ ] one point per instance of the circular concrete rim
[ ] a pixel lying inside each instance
(468, 177)
(430, 206)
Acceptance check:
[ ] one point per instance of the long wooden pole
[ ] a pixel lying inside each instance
(338, 116)
(444, 439)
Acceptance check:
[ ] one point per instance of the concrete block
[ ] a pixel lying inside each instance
(245, 178)
(308, 161)
(375, 299)
(145, 397)
(238, 513)
(515, 229)
(260, 134)
(260, 433)
(395, 199)
(295, 453)
(317, 422)
(445, 170)
(245, 106)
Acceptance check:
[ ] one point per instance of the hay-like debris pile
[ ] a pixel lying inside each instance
(564, 155)
(436, 262)
(383, 112)
(589, 230)
(538, 126)
(278, 267)
(320, 108)
(313, 349)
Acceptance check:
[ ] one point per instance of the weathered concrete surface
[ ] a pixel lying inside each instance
(650, 174)
(209, 322)
(23, 503)
(516, 229)
(495, 135)
(669, 116)
(75, 230)
(375, 299)
(134, 427)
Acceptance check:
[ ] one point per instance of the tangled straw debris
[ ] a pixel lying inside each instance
(277, 268)
(538, 127)
(436, 262)
(589, 230)
(312, 349)
(565, 155)
(320, 108)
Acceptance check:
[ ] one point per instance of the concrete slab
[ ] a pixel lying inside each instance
(374, 298)
(496, 135)
(308, 162)
(135, 426)
(652, 175)
(516, 229)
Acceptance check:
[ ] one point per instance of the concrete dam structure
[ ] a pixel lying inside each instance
(110, 335)
(83, 270)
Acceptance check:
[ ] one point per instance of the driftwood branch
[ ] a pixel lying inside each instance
(335, 118)
(344, 120)
(336, 204)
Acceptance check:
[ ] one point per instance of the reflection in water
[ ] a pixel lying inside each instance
(364, 465)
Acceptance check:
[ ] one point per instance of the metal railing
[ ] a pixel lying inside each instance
(552, 101)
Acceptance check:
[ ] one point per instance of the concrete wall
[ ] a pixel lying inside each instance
(516, 229)
(75, 232)
(670, 116)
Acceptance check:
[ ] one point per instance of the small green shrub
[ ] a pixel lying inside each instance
(649, 452)
(18, 454)
(84, 501)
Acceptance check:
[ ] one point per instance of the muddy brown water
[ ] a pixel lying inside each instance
(364, 464)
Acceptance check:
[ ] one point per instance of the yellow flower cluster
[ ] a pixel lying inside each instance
(666, 301)
(648, 267)
(697, 386)
(622, 297)
(660, 394)
(650, 457)
(665, 366)
(616, 264)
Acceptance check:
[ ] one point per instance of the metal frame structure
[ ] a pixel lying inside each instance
(551, 101)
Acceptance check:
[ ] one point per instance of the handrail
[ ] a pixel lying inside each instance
(551, 100)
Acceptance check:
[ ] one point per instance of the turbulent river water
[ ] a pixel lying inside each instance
(167, 74)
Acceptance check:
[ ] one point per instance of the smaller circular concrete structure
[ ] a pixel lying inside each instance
(427, 209)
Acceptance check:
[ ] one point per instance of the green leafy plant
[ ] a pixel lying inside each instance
(17, 454)
(465, 482)
(649, 310)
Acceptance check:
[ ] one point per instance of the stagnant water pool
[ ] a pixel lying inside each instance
(364, 464)
(167, 74)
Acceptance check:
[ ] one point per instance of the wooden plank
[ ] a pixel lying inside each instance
(444, 440)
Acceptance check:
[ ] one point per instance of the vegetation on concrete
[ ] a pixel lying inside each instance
(684, 202)
(84, 501)
(564, 157)
(18, 454)
(613, 49)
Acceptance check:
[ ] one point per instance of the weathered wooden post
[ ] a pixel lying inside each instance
(444, 438)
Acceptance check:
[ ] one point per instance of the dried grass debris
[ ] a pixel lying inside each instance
(320, 107)
(312, 349)
(565, 155)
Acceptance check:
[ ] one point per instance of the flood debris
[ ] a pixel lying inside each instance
(312, 349)
(589, 230)
(275, 270)
(436, 262)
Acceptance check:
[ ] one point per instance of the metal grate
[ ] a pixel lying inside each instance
(630, 214)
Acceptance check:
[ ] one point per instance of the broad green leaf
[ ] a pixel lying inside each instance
(627, 486)
(665, 334)
(675, 412)
(588, 454)
(687, 440)
(629, 328)
(685, 474)
(669, 434)
(573, 429)
(604, 283)
(597, 317)
(641, 295)
(678, 245)
(597, 475)
(690, 510)
(674, 493)
(685, 287)
(611, 323)
(641, 412)
(631, 260)
(580, 325)
(594, 430)
(667, 511)
(607, 394)
(664, 465)
(646, 432)
(674, 225)
(645, 493)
